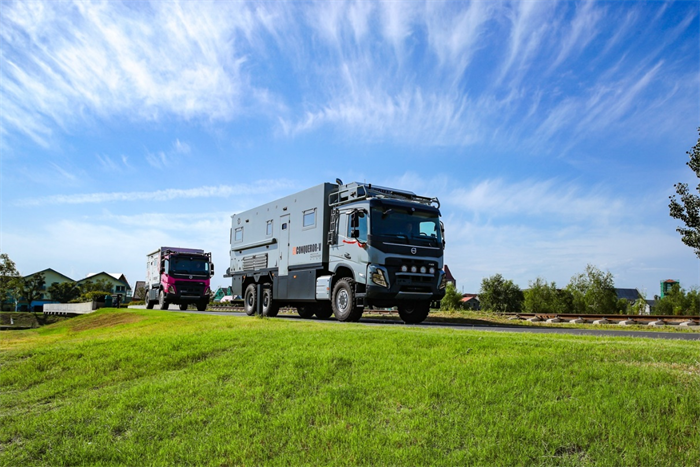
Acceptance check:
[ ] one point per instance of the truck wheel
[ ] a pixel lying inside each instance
(306, 311)
(249, 300)
(202, 306)
(414, 312)
(324, 310)
(162, 302)
(149, 303)
(269, 307)
(344, 301)
(183, 306)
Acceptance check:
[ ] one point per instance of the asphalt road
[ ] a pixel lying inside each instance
(603, 332)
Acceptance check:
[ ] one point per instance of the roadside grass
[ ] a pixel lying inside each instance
(137, 387)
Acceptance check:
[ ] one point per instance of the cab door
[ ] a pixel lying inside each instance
(351, 249)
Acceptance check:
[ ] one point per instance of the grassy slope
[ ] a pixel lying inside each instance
(137, 387)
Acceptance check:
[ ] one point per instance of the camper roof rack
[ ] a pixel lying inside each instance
(357, 191)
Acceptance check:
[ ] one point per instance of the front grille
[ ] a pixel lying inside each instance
(413, 288)
(190, 289)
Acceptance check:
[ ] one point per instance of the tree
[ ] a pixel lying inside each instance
(8, 275)
(64, 292)
(542, 297)
(97, 286)
(500, 295)
(677, 302)
(688, 208)
(28, 288)
(452, 300)
(593, 292)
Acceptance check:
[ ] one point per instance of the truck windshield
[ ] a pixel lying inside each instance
(414, 227)
(189, 266)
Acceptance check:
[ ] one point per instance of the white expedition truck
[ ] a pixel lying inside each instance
(336, 249)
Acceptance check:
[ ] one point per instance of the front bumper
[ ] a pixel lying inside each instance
(402, 286)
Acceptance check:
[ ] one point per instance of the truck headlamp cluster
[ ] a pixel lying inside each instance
(377, 276)
(414, 269)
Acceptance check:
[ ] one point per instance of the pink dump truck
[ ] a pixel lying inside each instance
(180, 276)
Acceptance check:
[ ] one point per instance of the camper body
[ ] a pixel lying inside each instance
(337, 249)
(179, 276)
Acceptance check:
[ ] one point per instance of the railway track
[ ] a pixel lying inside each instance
(620, 320)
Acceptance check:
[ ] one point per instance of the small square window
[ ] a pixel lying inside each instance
(309, 218)
(238, 235)
(268, 231)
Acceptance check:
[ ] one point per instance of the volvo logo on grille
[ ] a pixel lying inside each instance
(413, 251)
(190, 277)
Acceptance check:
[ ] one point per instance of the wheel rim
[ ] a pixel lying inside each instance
(342, 300)
(249, 301)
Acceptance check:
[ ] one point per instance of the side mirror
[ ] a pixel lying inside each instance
(355, 233)
(442, 231)
(211, 269)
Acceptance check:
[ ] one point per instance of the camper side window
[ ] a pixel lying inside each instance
(239, 235)
(309, 219)
(268, 231)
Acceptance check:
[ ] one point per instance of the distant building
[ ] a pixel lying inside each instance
(51, 276)
(666, 286)
(449, 277)
(470, 301)
(220, 293)
(117, 280)
(632, 295)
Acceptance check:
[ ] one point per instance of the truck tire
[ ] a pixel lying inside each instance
(306, 311)
(183, 306)
(324, 310)
(414, 312)
(344, 301)
(162, 302)
(202, 306)
(269, 307)
(149, 303)
(249, 299)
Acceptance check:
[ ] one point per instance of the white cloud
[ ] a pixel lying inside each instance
(143, 61)
(220, 191)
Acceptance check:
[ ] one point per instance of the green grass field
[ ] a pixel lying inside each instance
(141, 387)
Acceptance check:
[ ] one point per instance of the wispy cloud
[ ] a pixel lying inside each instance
(220, 191)
(143, 61)
(429, 73)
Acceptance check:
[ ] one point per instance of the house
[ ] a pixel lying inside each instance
(118, 282)
(470, 301)
(632, 295)
(51, 276)
(449, 277)
(221, 293)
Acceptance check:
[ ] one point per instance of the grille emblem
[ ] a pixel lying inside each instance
(190, 277)
(413, 251)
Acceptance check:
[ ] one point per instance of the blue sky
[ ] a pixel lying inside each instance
(552, 132)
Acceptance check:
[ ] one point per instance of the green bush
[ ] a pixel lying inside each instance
(452, 300)
(96, 295)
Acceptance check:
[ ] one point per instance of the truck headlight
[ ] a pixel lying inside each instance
(443, 280)
(377, 276)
